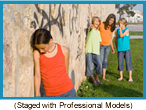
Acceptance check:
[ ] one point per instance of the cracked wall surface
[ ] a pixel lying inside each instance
(67, 23)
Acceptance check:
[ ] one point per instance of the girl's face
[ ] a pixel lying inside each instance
(96, 22)
(111, 21)
(43, 48)
(121, 25)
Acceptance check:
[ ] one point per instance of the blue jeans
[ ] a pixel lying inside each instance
(93, 58)
(127, 56)
(104, 53)
(71, 93)
(42, 90)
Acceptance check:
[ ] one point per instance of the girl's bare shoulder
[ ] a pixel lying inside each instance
(36, 54)
(65, 50)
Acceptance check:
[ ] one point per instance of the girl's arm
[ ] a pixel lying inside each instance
(113, 51)
(116, 40)
(90, 28)
(125, 33)
(37, 76)
(99, 47)
(66, 57)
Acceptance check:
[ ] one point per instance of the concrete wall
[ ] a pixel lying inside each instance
(67, 23)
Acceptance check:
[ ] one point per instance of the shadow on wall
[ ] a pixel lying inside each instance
(73, 77)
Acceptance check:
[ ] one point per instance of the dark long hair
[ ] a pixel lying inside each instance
(40, 36)
(106, 23)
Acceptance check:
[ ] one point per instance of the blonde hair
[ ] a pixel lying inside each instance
(123, 21)
(95, 17)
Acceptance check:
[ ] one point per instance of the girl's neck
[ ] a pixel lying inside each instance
(52, 46)
(95, 28)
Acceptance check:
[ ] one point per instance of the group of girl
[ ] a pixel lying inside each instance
(98, 45)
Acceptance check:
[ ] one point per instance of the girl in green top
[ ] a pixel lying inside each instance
(92, 51)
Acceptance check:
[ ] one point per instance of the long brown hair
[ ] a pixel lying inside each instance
(106, 23)
(40, 36)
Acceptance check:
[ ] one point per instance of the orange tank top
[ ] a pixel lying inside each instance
(54, 76)
(105, 35)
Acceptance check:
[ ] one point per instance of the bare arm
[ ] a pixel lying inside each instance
(90, 28)
(125, 33)
(99, 47)
(66, 57)
(113, 51)
(116, 40)
(37, 76)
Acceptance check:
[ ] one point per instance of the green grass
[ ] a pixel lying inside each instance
(132, 23)
(135, 33)
(135, 23)
(139, 33)
(115, 88)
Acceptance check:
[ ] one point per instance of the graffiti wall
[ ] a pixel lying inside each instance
(68, 24)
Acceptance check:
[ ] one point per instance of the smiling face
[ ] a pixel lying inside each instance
(96, 22)
(111, 21)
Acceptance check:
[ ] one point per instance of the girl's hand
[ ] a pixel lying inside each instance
(121, 25)
(113, 51)
(91, 26)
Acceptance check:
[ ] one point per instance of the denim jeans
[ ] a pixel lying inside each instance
(127, 56)
(104, 53)
(71, 93)
(42, 90)
(93, 58)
